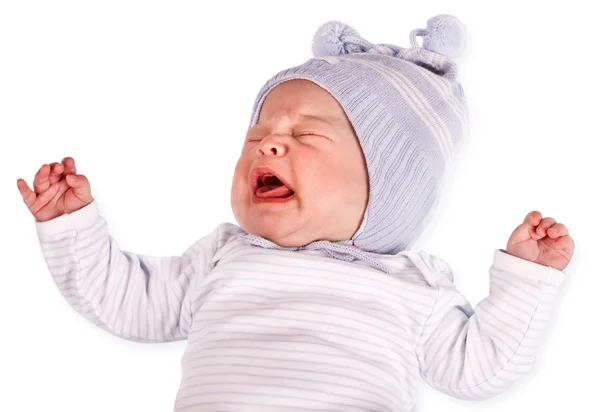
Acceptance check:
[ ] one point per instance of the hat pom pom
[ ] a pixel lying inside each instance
(445, 35)
(335, 38)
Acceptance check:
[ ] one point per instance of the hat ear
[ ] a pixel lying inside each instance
(445, 34)
(335, 38)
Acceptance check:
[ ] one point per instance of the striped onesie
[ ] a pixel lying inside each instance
(273, 330)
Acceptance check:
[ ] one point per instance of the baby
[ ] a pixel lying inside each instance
(315, 302)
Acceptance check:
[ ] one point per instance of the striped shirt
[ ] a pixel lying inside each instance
(272, 330)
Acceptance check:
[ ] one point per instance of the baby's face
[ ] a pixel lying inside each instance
(325, 169)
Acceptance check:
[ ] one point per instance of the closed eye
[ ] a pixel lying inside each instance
(300, 135)
(303, 134)
(317, 135)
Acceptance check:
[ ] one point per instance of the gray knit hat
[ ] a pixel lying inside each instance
(408, 111)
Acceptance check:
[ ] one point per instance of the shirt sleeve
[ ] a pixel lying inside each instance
(136, 297)
(477, 354)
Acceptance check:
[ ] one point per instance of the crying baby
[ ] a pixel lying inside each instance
(314, 300)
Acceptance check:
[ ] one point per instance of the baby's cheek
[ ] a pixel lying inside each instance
(239, 184)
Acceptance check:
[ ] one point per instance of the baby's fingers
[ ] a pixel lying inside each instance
(544, 224)
(564, 243)
(56, 172)
(533, 218)
(40, 180)
(557, 230)
(69, 165)
(28, 195)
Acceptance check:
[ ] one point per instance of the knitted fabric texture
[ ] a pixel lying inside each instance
(408, 112)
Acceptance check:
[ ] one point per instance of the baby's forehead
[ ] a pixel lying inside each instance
(317, 111)
(300, 96)
(305, 104)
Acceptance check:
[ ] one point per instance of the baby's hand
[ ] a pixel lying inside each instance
(542, 241)
(55, 193)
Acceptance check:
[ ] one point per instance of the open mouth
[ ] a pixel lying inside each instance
(269, 186)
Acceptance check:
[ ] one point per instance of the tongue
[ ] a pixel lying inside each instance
(273, 191)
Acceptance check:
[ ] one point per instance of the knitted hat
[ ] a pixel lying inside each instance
(408, 112)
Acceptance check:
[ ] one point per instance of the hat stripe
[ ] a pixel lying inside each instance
(445, 134)
(442, 87)
(418, 96)
(419, 104)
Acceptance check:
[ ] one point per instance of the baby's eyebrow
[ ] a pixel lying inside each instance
(329, 124)
(326, 120)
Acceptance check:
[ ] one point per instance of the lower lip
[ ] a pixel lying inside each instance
(256, 199)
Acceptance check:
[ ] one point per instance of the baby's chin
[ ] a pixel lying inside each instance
(287, 231)
(277, 229)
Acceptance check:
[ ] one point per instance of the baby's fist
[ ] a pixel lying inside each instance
(57, 189)
(542, 241)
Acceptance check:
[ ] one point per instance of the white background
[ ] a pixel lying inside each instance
(152, 100)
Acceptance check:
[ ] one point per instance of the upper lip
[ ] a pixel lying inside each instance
(259, 172)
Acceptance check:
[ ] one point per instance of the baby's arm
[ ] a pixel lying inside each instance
(476, 354)
(136, 297)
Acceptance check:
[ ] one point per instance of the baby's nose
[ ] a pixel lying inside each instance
(271, 146)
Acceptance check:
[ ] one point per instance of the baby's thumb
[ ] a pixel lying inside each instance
(79, 183)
